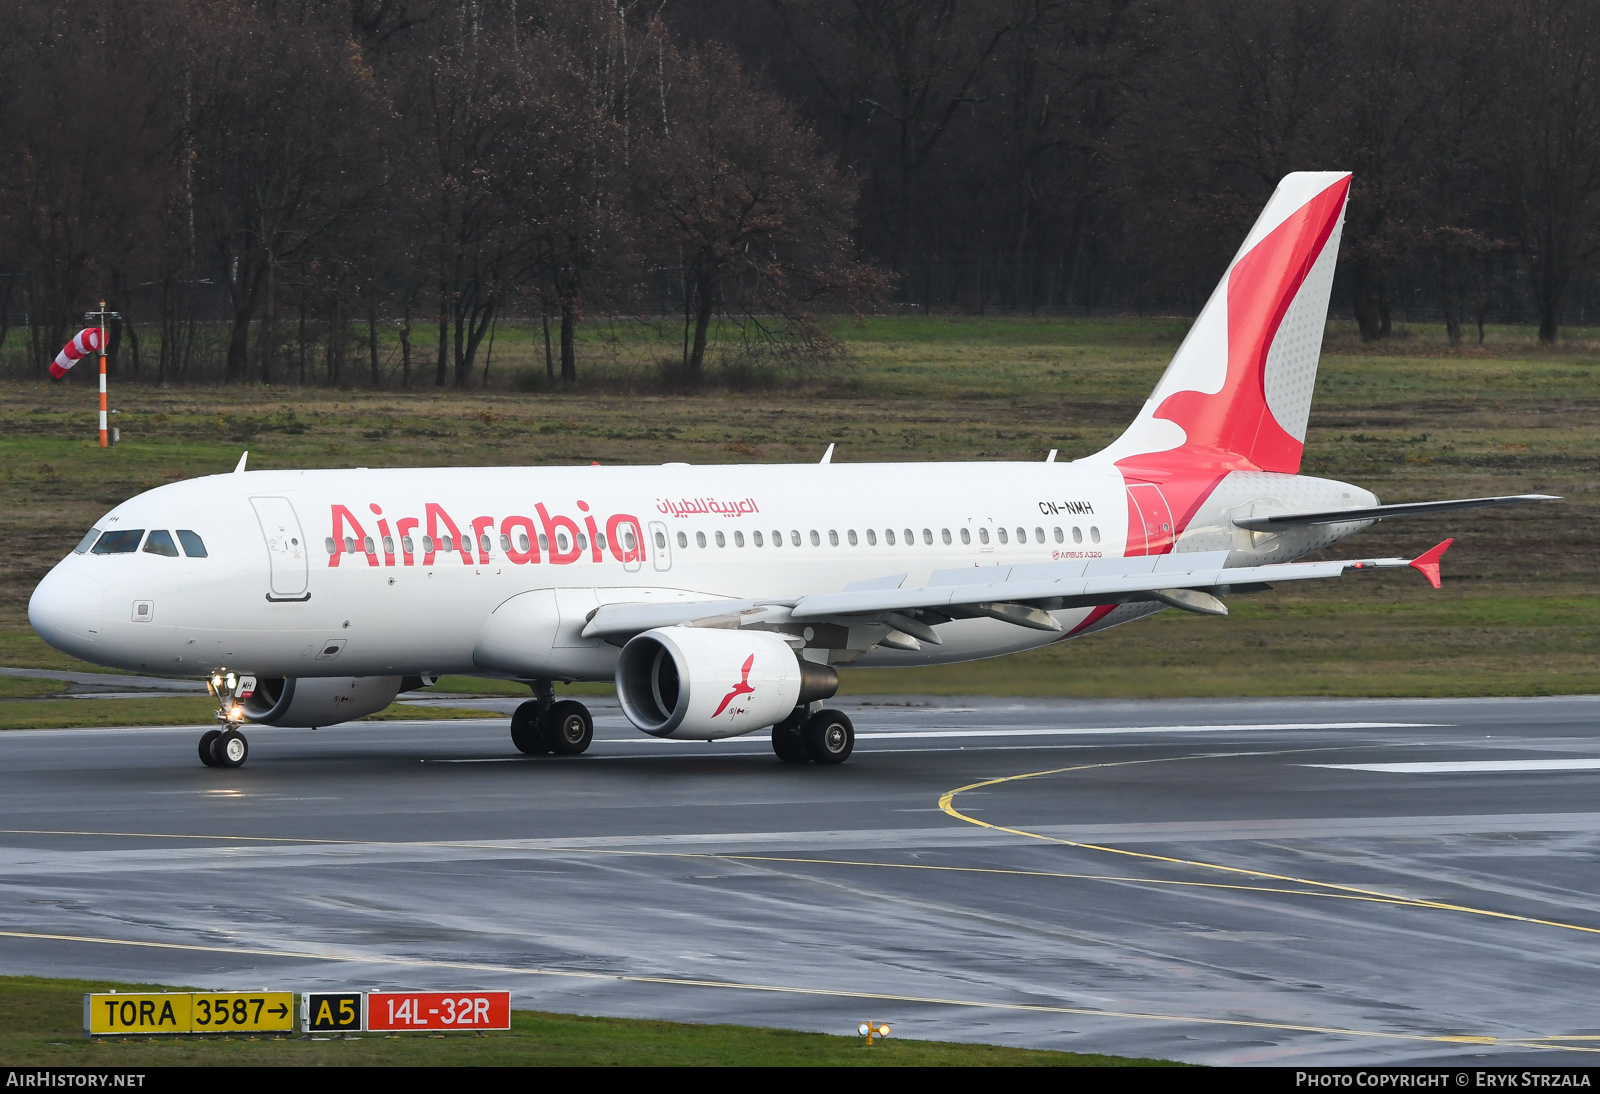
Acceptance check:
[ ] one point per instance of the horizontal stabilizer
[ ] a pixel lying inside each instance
(1382, 512)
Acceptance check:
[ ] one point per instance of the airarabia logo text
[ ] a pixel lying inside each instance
(557, 539)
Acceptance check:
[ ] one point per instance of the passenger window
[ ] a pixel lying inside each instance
(946, 534)
(160, 543)
(561, 542)
(661, 541)
(927, 536)
(816, 540)
(1094, 534)
(777, 538)
(505, 542)
(124, 541)
(700, 539)
(851, 535)
(427, 545)
(87, 541)
(738, 538)
(408, 545)
(911, 538)
(600, 540)
(332, 547)
(446, 544)
(888, 536)
(872, 538)
(1038, 534)
(833, 537)
(628, 542)
(683, 540)
(1022, 535)
(1059, 537)
(722, 540)
(1000, 533)
(966, 536)
(983, 535)
(755, 537)
(544, 543)
(1077, 534)
(483, 542)
(388, 545)
(349, 545)
(366, 545)
(583, 542)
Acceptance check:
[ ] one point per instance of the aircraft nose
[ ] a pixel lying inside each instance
(66, 611)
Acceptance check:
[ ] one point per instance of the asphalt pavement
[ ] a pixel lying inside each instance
(1268, 882)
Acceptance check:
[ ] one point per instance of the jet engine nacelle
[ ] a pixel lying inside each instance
(703, 684)
(319, 701)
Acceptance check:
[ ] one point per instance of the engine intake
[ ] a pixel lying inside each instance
(704, 684)
(319, 701)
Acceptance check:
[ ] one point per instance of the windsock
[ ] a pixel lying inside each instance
(86, 341)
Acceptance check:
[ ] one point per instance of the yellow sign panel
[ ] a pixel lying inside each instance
(189, 1012)
(243, 1012)
(156, 1012)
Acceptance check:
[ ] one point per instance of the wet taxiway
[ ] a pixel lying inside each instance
(1296, 881)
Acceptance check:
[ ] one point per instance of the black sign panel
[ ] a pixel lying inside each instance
(332, 1012)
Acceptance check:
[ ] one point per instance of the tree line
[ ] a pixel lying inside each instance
(265, 188)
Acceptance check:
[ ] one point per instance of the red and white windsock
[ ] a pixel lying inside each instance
(85, 342)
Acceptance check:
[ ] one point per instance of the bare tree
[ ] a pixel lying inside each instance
(743, 192)
(1547, 136)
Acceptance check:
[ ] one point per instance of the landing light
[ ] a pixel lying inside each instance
(237, 712)
(233, 681)
(216, 681)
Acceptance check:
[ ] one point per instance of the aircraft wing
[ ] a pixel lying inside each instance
(1023, 595)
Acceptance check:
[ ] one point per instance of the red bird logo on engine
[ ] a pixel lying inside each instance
(741, 688)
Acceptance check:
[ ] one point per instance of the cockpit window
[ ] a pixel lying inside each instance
(121, 541)
(160, 543)
(86, 542)
(192, 544)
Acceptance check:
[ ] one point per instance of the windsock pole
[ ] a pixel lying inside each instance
(79, 347)
(103, 432)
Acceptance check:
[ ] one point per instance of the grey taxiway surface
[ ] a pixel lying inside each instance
(1284, 882)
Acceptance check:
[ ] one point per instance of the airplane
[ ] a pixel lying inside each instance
(723, 600)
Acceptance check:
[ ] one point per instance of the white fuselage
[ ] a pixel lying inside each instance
(270, 598)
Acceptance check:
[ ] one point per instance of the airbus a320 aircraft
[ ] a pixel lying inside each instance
(724, 600)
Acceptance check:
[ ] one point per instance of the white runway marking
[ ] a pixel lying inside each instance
(1468, 767)
(1037, 731)
(1076, 731)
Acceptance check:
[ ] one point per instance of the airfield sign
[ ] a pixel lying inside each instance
(395, 1011)
(137, 1013)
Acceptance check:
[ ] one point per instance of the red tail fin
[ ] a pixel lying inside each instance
(1238, 391)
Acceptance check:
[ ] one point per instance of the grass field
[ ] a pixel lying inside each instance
(41, 1023)
(1410, 419)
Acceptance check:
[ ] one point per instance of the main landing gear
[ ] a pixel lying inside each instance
(542, 725)
(826, 737)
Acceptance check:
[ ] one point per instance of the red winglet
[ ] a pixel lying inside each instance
(1428, 562)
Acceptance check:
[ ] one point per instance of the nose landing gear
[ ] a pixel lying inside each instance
(223, 748)
(226, 747)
